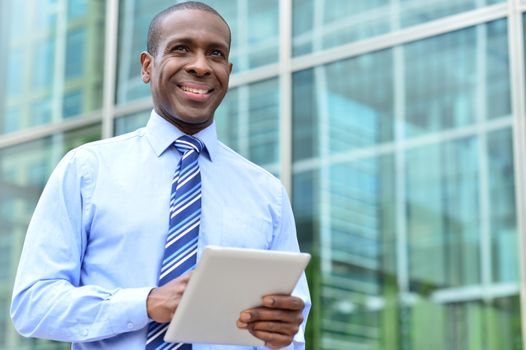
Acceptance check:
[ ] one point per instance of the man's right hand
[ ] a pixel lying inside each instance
(163, 301)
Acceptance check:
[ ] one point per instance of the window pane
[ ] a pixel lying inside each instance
(4, 311)
(443, 215)
(41, 112)
(15, 71)
(24, 170)
(254, 26)
(77, 8)
(503, 218)
(322, 24)
(72, 104)
(248, 121)
(44, 58)
(75, 55)
(51, 60)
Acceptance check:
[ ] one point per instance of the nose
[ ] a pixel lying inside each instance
(199, 65)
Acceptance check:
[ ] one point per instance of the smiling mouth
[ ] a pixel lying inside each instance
(196, 91)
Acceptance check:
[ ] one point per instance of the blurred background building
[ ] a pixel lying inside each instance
(398, 127)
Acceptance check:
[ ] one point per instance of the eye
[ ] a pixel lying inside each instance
(179, 48)
(216, 52)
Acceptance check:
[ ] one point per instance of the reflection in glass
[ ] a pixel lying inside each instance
(131, 122)
(443, 219)
(24, 170)
(248, 121)
(72, 104)
(41, 112)
(254, 42)
(77, 8)
(357, 251)
(452, 82)
(16, 64)
(322, 24)
(355, 112)
(503, 216)
(414, 237)
(50, 57)
(44, 58)
(490, 325)
(75, 55)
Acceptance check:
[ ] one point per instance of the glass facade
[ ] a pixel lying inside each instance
(53, 65)
(401, 159)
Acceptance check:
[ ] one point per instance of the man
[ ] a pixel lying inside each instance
(97, 247)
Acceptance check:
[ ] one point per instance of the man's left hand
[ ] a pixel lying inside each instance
(276, 321)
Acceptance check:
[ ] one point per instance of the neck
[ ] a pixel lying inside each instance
(187, 128)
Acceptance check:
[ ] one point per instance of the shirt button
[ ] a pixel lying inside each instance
(130, 325)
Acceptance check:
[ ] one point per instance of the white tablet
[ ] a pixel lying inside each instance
(225, 282)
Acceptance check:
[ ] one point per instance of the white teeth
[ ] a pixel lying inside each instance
(195, 91)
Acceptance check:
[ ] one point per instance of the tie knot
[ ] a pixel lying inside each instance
(186, 143)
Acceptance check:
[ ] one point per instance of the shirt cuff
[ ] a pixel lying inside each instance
(128, 310)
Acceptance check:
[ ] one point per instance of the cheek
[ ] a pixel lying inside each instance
(222, 73)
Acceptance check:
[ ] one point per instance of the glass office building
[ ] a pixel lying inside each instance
(398, 127)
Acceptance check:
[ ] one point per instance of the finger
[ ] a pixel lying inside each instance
(287, 302)
(242, 325)
(288, 329)
(272, 340)
(276, 315)
(186, 277)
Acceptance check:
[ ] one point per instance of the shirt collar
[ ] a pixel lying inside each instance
(161, 134)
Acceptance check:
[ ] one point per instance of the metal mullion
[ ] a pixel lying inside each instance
(320, 78)
(285, 93)
(516, 54)
(243, 131)
(59, 76)
(127, 8)
(485, 257)
(5, 9)
(401, 239)
(110, 64)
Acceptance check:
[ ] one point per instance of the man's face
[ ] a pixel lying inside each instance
(189, 74)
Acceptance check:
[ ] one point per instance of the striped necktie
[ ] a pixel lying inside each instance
(181, 243)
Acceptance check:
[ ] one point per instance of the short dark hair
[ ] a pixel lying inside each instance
(154, 31)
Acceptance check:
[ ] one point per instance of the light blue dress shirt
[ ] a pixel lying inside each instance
(94, 246)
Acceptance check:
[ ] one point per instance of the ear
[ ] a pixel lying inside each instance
(230, 65)
(146, 66)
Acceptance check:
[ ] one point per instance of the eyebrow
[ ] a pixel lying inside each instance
(188, 41)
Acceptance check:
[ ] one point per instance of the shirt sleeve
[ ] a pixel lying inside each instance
(285, 239)
(49, 300)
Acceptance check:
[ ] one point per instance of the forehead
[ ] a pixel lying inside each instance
(197, 25)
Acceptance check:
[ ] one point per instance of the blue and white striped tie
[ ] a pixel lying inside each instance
(181, 244)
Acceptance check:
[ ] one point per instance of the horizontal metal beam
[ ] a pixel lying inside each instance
(407, 144)
(403, 36)
(38, 132)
